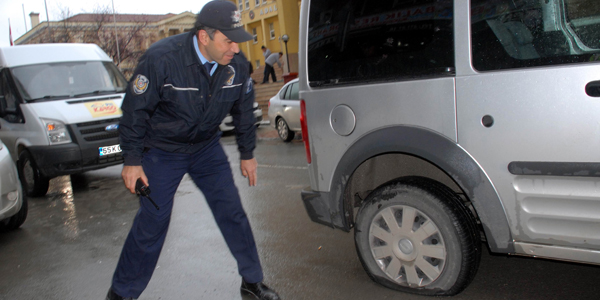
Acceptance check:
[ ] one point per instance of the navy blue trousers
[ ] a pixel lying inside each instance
(210, 170)
(269, 70)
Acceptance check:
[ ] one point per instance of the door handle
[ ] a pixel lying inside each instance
(593, 89)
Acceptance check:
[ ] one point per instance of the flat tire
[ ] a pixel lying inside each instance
(415, 235)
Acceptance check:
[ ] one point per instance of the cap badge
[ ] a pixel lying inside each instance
(236, 18)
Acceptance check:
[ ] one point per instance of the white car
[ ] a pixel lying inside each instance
(227, 123)
(284, 111)
(13, 203)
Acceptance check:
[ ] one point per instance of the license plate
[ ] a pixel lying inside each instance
(106, 150)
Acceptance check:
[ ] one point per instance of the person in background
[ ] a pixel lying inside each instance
(266, 53)
(270, 66)
(182, 88)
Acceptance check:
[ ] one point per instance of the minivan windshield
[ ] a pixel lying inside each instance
(54, 81)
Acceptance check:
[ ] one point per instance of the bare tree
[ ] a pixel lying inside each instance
(64, 32)
(131, 35)
(57, 32)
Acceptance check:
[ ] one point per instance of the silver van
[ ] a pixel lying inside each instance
(431, 125)
(59, 110)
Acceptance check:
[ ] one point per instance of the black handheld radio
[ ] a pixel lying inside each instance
(144, 190)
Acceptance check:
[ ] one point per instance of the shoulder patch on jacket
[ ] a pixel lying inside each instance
(232, 77)
(140, 84)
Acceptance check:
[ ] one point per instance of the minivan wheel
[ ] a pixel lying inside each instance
(415, 235)
(17, 220)
(34, 183)
(284, 131)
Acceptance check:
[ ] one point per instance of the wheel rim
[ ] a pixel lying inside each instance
(282, 129)
(407, 246)
(28, 174)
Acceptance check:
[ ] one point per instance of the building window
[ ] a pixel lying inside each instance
(254, 35)
(264, 1)
(257, 63)
(240, 5)
(272, 30)
(247, 4)
(256, 2)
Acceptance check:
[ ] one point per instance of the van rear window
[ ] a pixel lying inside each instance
(510, 34)
(355, 41)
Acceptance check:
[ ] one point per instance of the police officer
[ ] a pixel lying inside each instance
(181, 90)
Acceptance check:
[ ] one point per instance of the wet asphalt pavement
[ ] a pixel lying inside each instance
(69, 245)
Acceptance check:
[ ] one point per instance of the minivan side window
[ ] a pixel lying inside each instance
(366, 41)
(510, 34)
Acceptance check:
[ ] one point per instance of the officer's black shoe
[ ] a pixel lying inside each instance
(259, 290)
(113, 296)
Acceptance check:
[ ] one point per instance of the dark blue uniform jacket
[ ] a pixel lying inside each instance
(174, 105)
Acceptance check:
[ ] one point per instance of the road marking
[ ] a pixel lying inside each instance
(282, 167)
(276, 167)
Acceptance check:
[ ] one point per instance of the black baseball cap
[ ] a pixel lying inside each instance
(224, 16)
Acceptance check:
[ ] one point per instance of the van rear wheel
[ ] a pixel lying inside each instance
(416, 236)
(34, 183)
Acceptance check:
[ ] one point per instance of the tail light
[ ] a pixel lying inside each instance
(304, 129)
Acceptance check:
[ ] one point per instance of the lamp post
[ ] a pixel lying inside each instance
(285, 39)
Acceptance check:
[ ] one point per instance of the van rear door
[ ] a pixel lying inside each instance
(525, 115)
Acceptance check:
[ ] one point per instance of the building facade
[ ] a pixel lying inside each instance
(132, 33)
(267, 20)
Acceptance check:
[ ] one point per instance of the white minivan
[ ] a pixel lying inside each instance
(59, 110)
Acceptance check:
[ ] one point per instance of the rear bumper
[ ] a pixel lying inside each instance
(320, 209)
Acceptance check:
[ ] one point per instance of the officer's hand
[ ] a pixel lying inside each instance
(130, 175)
(249, 170)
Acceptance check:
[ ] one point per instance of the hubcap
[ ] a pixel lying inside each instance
(282, 129)
(407, 246)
